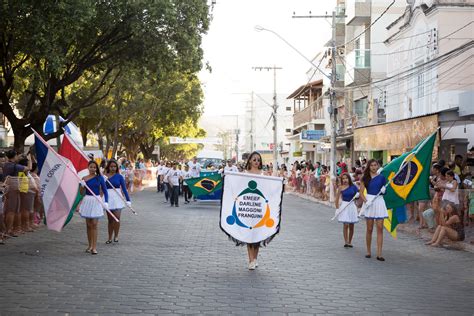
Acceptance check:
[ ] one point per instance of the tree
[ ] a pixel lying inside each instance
(182, 151)
(52, 52)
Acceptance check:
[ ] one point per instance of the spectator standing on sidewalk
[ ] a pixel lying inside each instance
(12, 195)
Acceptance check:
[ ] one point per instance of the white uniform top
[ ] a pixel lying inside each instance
(185, 175)
(194, 169)
(230, 169)
(164, 172)
(159, 170)
(173, 176)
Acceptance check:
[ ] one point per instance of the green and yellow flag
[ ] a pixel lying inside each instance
(409, 175)
(205, 185)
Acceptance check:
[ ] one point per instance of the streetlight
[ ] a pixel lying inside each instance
(332, 112)
(260, 28)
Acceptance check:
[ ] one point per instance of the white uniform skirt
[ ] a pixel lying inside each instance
(349, 213)
(91, 207)
(115, 200)
(376, 209)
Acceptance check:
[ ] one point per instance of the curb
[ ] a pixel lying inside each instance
(407, 229)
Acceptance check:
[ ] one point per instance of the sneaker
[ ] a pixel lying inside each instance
(177, 205)
(256, 263)
(252, 265)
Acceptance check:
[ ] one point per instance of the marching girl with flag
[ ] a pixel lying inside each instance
(347, 209)
(115, 188)
(91, 208)
(374, 208)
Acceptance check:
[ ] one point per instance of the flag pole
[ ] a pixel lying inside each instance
(75, 172)
(339, 212)
(84, 155)
(404, 164)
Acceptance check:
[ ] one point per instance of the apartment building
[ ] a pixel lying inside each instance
(428, 82)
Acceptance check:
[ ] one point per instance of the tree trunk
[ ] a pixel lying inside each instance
(107, 146)
(19, 141)
(84, 133)
(115, 139)
(100, 141)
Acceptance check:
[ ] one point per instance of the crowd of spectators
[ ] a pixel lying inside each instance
(21, 208)
(449, 213)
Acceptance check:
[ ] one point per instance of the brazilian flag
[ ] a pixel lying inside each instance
(409, 175)
(205, 185)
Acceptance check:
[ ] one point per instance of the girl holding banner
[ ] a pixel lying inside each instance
(91, 207)
(254, 166)
(115, 187)
(374, 208)
(347, 209)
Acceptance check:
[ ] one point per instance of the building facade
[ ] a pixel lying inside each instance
(428, 82)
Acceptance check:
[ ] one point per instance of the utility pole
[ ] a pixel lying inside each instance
(333, 110)
(252, 124)
(332, 97)
(275, 108)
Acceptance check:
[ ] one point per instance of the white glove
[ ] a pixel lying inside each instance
(82, 183)
(383, 189)
(357, 195)
(129, 204)
(106, 205)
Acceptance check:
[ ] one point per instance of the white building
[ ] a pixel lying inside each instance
(422, 39)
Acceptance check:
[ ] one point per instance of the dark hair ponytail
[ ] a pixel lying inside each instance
(367, 177)
(97, 170)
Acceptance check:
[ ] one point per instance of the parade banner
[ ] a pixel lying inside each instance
(251, 207)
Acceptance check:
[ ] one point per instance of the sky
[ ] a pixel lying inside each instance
(232, 47)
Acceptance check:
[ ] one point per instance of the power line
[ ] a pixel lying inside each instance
(311, 78)
(423, 46)
(426, 65)
(368, 28)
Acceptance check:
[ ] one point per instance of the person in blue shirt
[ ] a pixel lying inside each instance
(115, 188)
(374, 208)
(91, 207)
(347, 209)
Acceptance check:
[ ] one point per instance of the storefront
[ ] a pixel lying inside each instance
(389, 140)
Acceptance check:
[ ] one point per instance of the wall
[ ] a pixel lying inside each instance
(437, 89)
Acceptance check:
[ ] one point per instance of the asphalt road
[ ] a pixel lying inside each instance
(177, 260)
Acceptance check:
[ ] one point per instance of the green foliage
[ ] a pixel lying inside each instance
(59, 56)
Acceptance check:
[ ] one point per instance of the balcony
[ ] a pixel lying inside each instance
(312, 114)
(360, 74)
(358, 12)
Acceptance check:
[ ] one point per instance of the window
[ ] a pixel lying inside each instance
(360, 112)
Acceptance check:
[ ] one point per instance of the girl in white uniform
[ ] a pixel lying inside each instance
(347, 208)
(115, 188)
(91, 208)
(374, 208)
